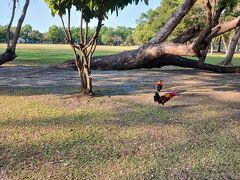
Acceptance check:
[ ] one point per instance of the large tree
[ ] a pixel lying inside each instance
(56, 34)
(10, 53)
(25, 31)
(88, 9)
(193, 42)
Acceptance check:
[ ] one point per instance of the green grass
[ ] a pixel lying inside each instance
(40, 54)
(58, 137)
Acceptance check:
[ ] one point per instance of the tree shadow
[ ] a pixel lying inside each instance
(104, 149)
(45, 80)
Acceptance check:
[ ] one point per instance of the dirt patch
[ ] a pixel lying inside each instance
(192, 86)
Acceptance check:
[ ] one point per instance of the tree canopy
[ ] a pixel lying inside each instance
(90, 8)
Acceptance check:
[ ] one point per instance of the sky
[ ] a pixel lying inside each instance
(40, 18)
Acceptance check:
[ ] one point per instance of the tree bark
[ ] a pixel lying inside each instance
(187, 35)
(159, 62)
(7, 56)
(224, 27)
(212, 48)
(225, 45)
(232, 48)
(10, 24)
(219, 44)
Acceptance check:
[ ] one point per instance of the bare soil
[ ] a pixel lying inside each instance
(193, 86)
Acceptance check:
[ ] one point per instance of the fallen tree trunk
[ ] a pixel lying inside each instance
(154, 53)
(189, 63)
(112, 63)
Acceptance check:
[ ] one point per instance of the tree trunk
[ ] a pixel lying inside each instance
(19, 25)
(86, 77)
(9, 54)
(203, 55)
(166, 60)
(83, 72)
(212, 48)
(219, 44)
(225, 45)
(232, 48)
(141, 57)
(10, 24)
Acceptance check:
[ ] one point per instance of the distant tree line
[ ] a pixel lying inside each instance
(120, 35)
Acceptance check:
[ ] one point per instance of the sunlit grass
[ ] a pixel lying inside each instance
(40, 54)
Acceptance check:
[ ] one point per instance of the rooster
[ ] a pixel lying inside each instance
(158, 85)
(164, 98)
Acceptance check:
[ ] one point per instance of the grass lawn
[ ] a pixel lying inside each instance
(59, 137)
(48, 131)
(40, 54)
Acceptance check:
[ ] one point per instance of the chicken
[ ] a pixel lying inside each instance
(164, 98)
(158, 85)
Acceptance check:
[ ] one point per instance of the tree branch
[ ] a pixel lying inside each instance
(19, 25)
(202, 42)
(69, 27)
(224, 27)
(94, 38)
(10, 24)
(187, 35)
(208, 11)
(170, 48)
(81, 24)
(171, 24)
(86, 34)
(65, 30)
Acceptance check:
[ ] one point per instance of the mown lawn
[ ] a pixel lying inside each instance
(40, 54)
(46, 136)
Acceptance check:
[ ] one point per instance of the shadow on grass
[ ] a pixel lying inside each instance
(210, 149)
